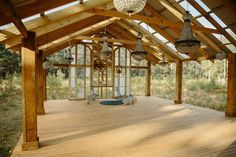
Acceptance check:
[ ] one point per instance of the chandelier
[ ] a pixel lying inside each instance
(139, 53)
(47, 64)
(163, 61)
(187, 42)
(221, 55)
(129, 7)
(105, 52)
(69, 59)
(119, 69)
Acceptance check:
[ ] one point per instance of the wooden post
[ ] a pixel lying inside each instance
(40, 83)
(28, 54)
(148, 80)
(231, 92)
(178, 85)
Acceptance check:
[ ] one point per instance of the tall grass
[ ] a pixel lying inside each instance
(57, 87)
(10, 113)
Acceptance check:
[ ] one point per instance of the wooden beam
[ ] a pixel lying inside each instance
(157, 21)
(59, 33)
(231, 88)
(28, 59)
(161, 45)
(35, 8)
(123, 33)
(178, 84)
(9, 11)
(178, 12)
(213, 21)
(148, 80)
(40, 83)
(165, 34)
(123, 41)
(55, 21)
(64, 42)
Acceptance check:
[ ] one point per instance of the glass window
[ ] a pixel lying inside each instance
(188, 6)
(205, 22)
(231, 47)
(203, 5)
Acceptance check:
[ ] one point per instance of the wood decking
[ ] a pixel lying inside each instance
(153, 127)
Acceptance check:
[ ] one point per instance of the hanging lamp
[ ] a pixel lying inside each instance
(129, 7)
(47, 64)
(139, 53)
(187, 43)
(69, 59)
(119, 69)
(221, 55)
(163, 61)
(105, 52)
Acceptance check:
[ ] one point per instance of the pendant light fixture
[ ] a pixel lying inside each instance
(47, 64)
(139, 53)
(105, 52)
(163, 61)
(187, 43)
(69, 59)
(118, 69)
(129, 7)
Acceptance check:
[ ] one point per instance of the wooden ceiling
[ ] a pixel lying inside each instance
(81, 21)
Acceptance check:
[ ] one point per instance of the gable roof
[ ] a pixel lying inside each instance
(56, 22)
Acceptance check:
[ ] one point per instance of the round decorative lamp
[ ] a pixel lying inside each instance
(105, 52)
(187, 42)
(163, 61)
(129, 7)
(118, 69)
(47, 64)
(221, 55)
(139, 53)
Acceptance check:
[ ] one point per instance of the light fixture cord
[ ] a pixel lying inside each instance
(187, 6)
(105, 21)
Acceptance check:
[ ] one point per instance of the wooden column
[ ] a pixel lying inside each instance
(40, 84)
(178, 84)
(231, 92)
(148, 80)
(28, 55)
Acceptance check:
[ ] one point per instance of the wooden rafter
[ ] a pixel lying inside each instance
(168, 36)
(161, 46)
(93, 29)
(120, 32)
(179, 15)
(122, 41)
(158, 21)
(10, 13)
(43, 5)
(209, 18)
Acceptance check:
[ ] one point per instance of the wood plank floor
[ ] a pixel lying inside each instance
(153, 127)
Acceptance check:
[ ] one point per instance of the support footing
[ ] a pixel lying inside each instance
(41, 112)
(229, 114)
(178, 102)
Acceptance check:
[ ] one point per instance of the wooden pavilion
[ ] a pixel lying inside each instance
(38, 28)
